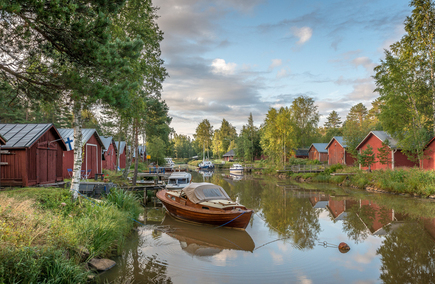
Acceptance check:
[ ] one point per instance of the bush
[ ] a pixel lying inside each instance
(333, 168)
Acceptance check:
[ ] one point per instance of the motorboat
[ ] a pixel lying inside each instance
(205, 203)
(199, 241)
(169, 163)
(236, 169)
(206, 165)
(178, 180)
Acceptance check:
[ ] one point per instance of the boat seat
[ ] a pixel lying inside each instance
(221, 204)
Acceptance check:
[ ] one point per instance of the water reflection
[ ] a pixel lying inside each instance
(199, 240)
(391, 239)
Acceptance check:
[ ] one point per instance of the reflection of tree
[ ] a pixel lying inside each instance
(408, 255)
(292, 217)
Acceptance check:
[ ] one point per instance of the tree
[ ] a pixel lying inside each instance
(366, 158)
(384, 153)
(203, 136)
(222, 138)
(156, 149)
(333, 120)
(305, 117)
(356, 127)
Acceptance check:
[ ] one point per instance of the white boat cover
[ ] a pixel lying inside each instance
(204, 191)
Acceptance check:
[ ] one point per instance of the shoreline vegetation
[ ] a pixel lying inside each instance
(46, 237)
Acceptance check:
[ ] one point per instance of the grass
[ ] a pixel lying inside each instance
(45, 230)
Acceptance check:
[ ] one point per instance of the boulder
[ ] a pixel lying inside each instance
(102, 264)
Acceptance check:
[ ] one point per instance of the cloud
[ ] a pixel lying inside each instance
(283, 73)
(275, 63)
(365, 62)
(304, 34)
(221, 67)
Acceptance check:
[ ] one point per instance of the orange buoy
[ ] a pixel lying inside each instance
(343, 247)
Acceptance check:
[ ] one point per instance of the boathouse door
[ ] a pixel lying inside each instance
(92, 159)
(46, 166)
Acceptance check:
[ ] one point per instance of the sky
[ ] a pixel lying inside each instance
(229, 58)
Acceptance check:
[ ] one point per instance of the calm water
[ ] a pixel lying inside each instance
(292, 238)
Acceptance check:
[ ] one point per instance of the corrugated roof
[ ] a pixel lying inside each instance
(86, 135)
(122, 146)
(320, 147)
(22, 135)
(229, 154)
(381, 135)
(339, 139)
(301, 152)
(107, 141)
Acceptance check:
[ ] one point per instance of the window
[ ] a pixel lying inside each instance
(212, 192)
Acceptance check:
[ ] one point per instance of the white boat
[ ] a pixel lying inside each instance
(169, 163)
(236, 168)
(206, 165)
(179, 180)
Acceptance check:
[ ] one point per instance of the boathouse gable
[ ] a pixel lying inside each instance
(92, 146)
(318, 152)
(33, 154)
(229, 156)
(396, 157)
(109, 153)
(122, 153)
(337, 153)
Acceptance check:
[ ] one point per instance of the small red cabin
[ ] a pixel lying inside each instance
(318, 152)
(92, 151)
(428, 162)
(395, 158)
(122, 156)
(109, 153)
(229, 156)
(31, 155)
(337, 153)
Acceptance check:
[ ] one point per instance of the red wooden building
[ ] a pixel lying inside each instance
(33, 154)
(109, 153)
(92, 152)
(318, 152)
(229, 156)
(122, 157)
(337, 153)
(396, 157)
(428, 163)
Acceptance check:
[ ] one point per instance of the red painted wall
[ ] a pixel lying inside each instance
(378, 216)
(313, 154)
(401, 160)
(429, 153)
(109, 162)
(336, 155)
(92, 158)
(38, 164)
(336, 206)
(122, 159)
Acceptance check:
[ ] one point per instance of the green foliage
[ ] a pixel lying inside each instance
(156, 148)
(366, 158)
(36, 265)
(125, 201)
(384, 153)
(203, 137)
(333, 168)
(305, 117)
(183, 146)
(222, 138)
(333, 121)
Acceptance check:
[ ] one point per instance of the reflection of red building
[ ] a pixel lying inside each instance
(337, 153)
(319, 200)
(396, 157)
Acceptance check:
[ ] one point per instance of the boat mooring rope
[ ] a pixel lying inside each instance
(230, 221)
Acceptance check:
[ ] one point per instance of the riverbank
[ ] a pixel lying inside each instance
(45, 236)
(404, 181)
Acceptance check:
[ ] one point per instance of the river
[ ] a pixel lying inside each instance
(292, 238)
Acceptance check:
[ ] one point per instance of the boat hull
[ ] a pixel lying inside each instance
(228, 218)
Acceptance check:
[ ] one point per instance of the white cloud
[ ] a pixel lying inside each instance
(221, 67)
(365, 62)
(275, 63)
(304, 34)
(283, 73)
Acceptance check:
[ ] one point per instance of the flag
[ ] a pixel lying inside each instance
(69, 141)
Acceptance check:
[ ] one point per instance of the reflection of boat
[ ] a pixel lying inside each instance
(206, 173)
(201, 241)
(179, 180)
(236, 169)
(205, 203)
(236, 177)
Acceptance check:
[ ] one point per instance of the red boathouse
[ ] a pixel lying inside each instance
(109, 153)
(92, 151)
(395, 157)
(31, 155)
(337, 153)
(318, 152)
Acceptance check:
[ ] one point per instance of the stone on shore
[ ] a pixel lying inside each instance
(102, 264)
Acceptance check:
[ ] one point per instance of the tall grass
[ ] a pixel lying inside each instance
(125, 201)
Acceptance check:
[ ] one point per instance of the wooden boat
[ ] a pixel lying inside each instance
(205, 203)
(201, 241)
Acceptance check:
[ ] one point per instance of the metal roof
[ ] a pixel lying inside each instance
(23, 135)
(320, 147)
(339, 139)
(229, 154)
(301, 152)
(86, 135)
(106, 142)
(122, 146)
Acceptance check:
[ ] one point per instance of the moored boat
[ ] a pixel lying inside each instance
(205, 203)
(236, 169)
(178, 180)
(206, 165)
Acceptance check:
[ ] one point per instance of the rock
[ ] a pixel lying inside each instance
(83, 252)
(102, 264)
(432, 196)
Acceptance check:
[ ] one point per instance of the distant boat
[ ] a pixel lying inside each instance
(205, 203)
(236, 169)
(178, 180)
(169, 163)
(206, 165)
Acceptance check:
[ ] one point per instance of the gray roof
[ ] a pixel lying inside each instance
(121, 147)
(320, 147)
(86, 135)
(106, 142)
(23, 135)
(301, 152)
(141, 150)
(381, 135)
(229, 154)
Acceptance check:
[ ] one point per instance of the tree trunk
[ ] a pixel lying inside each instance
(77, 168)
(129, 158)
(136, 149)
(119, 145)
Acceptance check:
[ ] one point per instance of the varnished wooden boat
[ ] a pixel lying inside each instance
(205, 203)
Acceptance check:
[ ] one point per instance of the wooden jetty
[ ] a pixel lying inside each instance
(303, 169)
